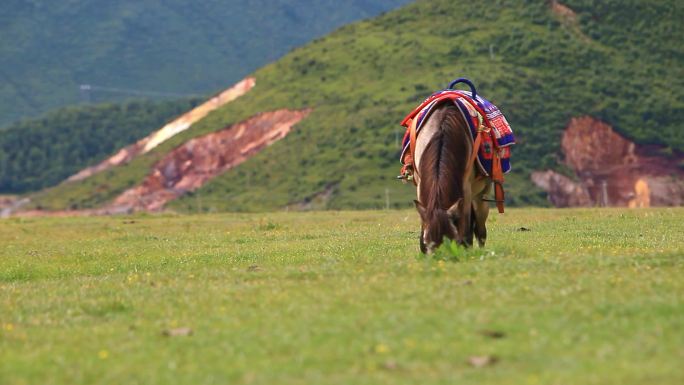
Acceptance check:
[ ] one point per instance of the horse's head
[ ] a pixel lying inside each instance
(453, 223)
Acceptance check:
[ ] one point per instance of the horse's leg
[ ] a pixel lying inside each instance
(481, 213)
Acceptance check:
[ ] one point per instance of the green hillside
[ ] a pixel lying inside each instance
(620, 61)
(39, 153)
(48, 48)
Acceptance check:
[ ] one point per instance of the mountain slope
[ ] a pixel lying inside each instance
(49, 48)
(39, 153)
(540, 66)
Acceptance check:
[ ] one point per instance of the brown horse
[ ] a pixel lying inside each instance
(450, 194)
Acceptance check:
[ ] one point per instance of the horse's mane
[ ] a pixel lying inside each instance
(442, 164)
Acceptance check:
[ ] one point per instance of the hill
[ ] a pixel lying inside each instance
(39, 153)
(164, 48)
(543, 63)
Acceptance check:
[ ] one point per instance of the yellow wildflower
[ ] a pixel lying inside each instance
(382, 348)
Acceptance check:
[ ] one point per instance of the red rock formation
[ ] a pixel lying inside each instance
(191, 165)
(172, 128)
(563, 191)
(612, 171)
(568, 17)
(563, 11)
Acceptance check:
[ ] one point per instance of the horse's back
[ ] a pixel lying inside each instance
(430, 128)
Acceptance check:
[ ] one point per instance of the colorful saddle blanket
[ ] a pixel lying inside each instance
(478, 113)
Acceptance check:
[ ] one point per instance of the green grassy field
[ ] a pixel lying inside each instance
(583, 297)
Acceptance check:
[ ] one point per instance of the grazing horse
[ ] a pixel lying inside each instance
(450, 190)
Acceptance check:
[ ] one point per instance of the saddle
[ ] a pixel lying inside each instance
(491, 133)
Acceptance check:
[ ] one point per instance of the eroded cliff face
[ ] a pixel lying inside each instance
(563, 11)
(9, 203)
(194, 163)
(611, 170)
(172, 128)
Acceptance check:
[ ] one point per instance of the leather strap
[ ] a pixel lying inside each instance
(412, 136)
(498, 179)
(471, 162)
(496, 174)
(412, 147)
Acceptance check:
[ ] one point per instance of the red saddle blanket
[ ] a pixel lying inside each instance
(478, 112)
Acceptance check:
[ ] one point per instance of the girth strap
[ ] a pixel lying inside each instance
(498, 179)
(471, 162)
(496, 173)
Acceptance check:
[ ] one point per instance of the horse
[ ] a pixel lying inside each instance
(450, 191)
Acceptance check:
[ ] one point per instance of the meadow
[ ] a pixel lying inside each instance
(581, 296)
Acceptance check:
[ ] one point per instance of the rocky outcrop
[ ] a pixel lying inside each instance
(194, 163)
(172, 128)
(563, 191)
(563, 11)
(9, 204)
(568, 17)
(611, 170)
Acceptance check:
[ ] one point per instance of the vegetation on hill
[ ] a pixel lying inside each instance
(39, 153)
(539, 67)
(48, 48)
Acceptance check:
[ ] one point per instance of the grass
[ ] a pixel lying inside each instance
(584, 297)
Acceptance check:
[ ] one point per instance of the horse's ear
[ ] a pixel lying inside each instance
(455, 209)
(421, 209)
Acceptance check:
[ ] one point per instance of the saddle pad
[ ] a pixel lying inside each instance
(475, 113)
